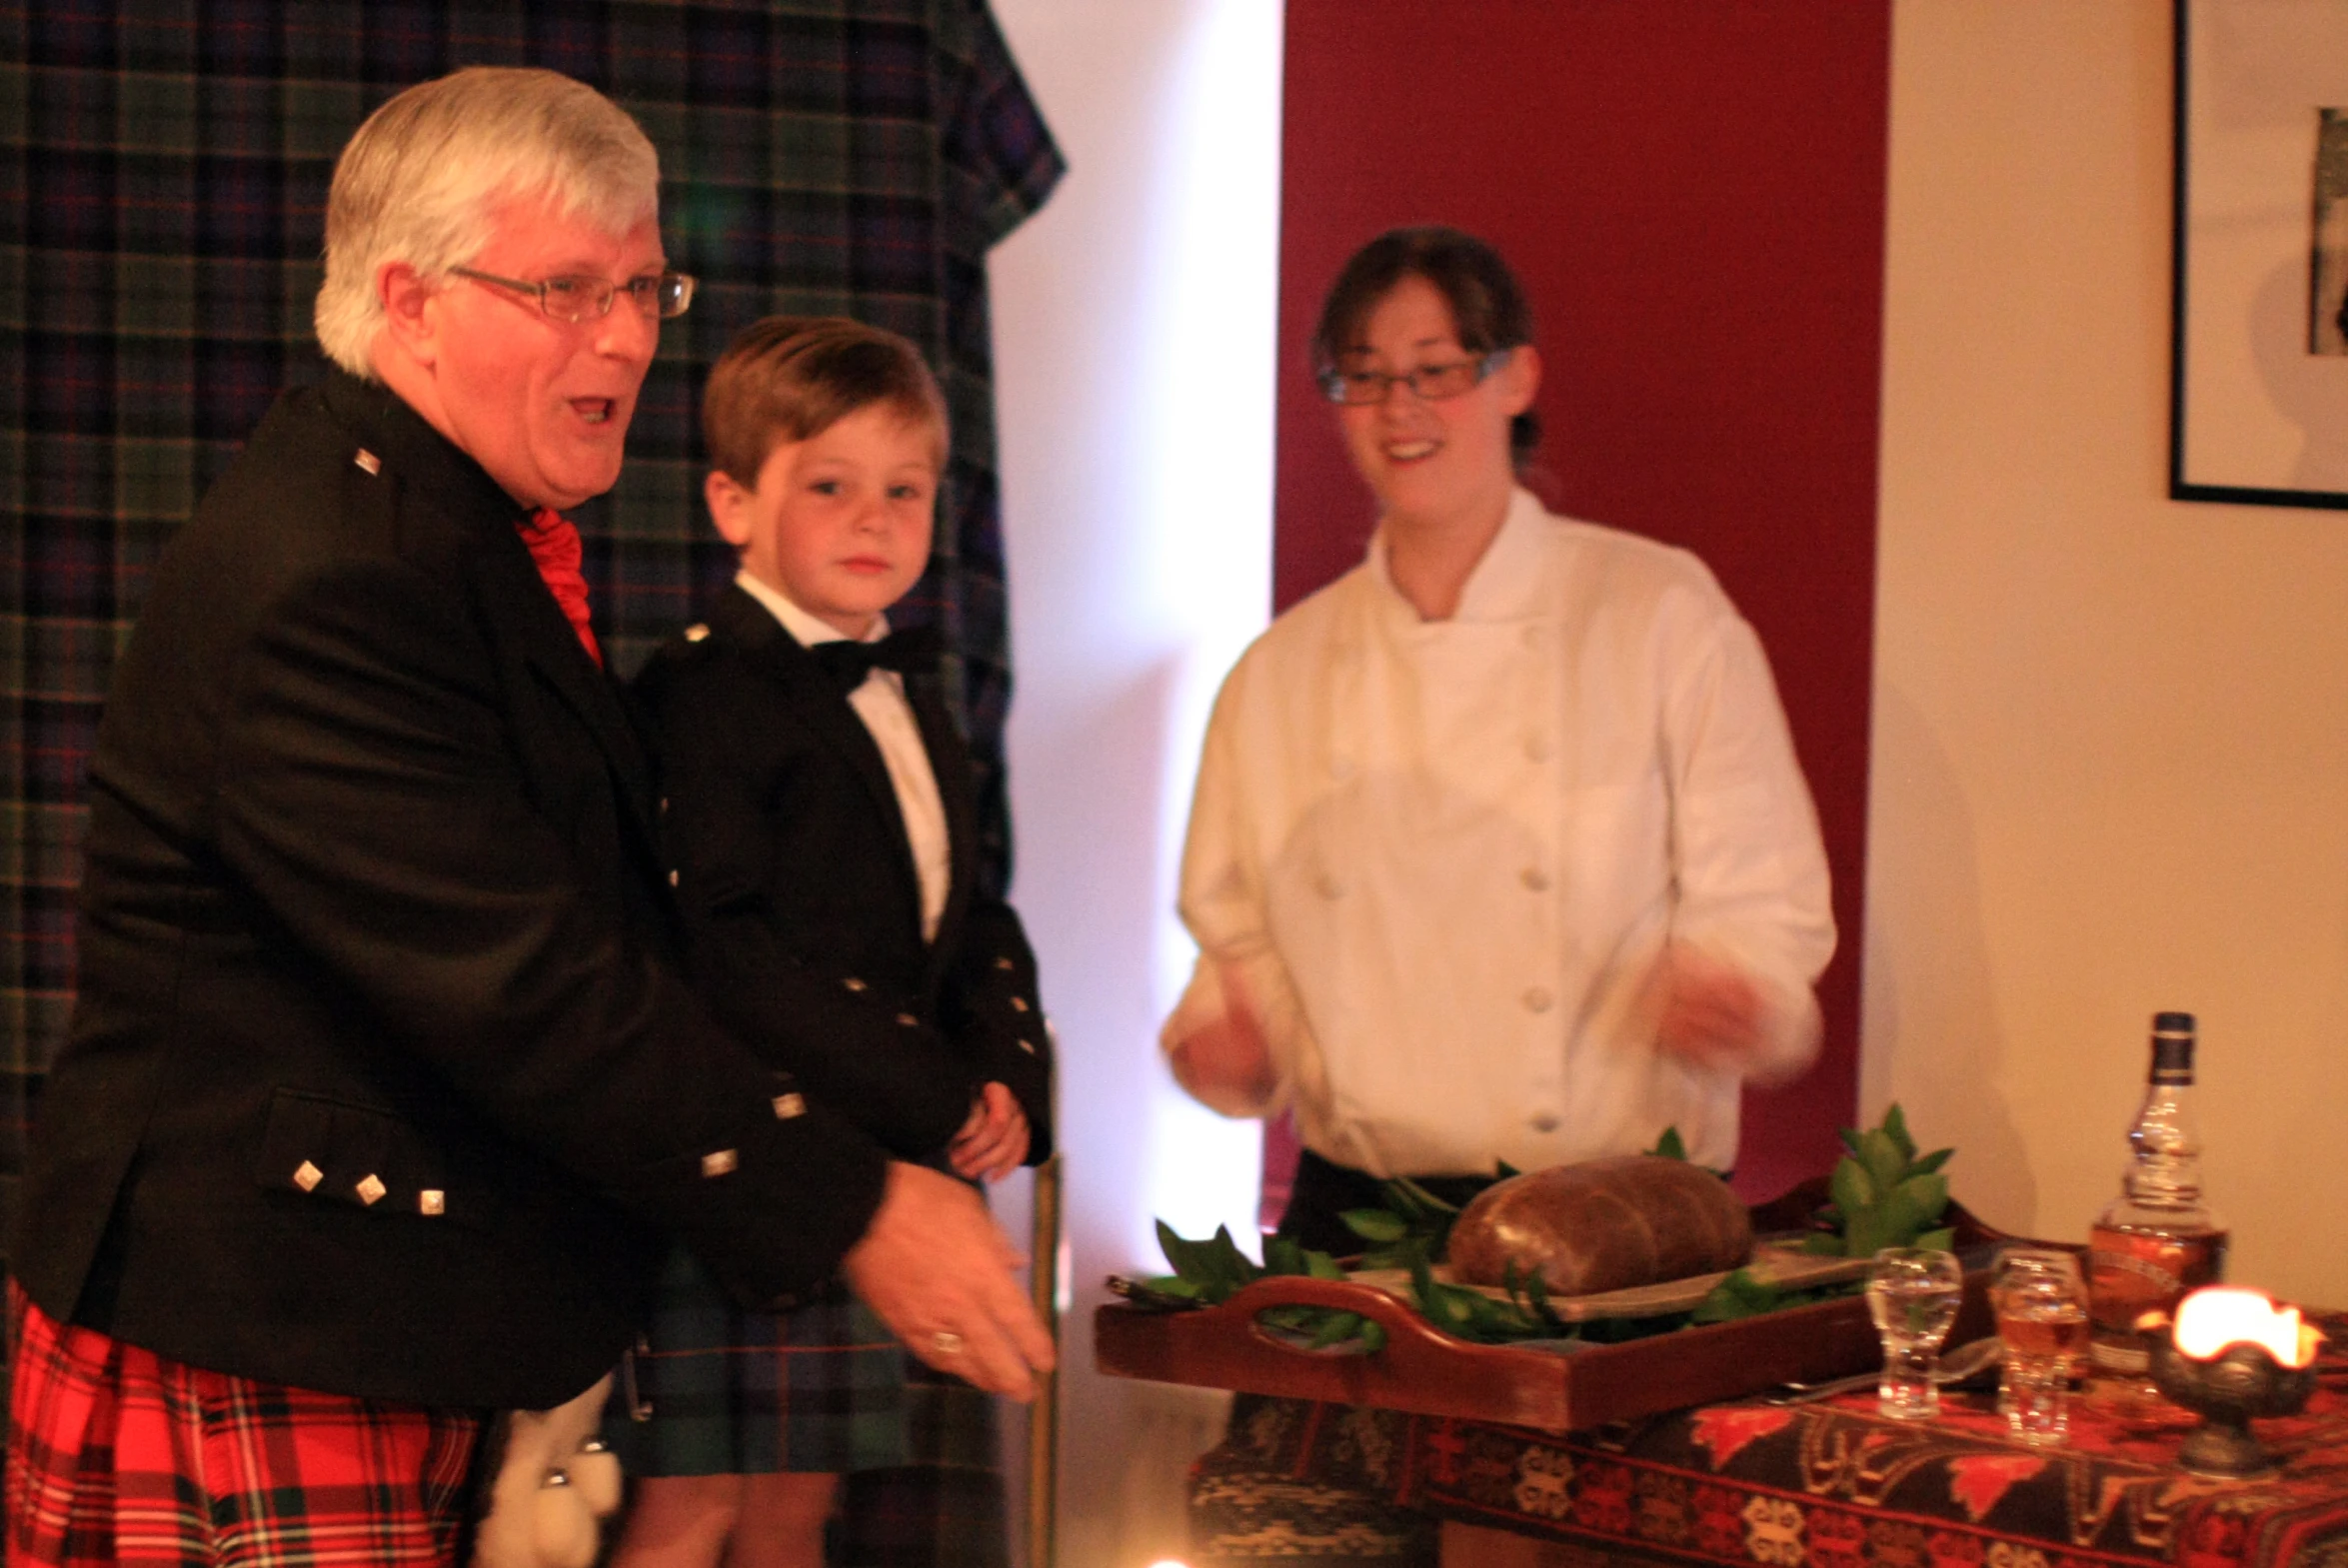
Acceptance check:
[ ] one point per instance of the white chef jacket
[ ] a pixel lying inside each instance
(889, 717)
(1445, 857)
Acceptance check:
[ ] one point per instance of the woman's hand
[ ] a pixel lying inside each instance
(1224, 1062)
(994, 1141)
(1713, 1014)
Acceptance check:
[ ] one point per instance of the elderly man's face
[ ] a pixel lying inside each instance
(542, 403)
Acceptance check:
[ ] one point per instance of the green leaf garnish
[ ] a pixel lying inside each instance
(1376, 1224)
(1884, 1195)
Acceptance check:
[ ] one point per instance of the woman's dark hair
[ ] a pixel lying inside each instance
(1487, 303)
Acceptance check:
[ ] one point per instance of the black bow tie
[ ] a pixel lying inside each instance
(910, 652)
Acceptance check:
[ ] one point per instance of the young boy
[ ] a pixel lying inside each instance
(820, 819)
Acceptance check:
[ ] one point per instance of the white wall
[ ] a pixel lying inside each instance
(2111, 729)
(1133, 325)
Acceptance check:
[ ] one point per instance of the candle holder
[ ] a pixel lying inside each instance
(2226, 1376)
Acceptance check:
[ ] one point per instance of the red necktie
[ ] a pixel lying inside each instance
(554, 547)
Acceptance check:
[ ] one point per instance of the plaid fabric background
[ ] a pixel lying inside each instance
(163, 177)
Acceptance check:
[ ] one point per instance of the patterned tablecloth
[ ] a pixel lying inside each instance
(1833, 1485)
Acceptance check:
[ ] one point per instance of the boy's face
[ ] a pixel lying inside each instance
(838, 523)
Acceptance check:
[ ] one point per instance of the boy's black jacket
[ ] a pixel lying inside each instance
(801, 900)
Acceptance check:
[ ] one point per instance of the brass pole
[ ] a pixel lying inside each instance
(1044, 1415)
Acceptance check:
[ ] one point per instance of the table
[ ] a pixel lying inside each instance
(1833, 1485)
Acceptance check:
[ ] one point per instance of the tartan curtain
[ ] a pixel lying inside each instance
(163, 178)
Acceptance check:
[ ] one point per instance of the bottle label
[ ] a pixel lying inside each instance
(2130, 1273)
(2112, 1356)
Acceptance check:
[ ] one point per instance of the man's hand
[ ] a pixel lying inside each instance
(937, 1269)
(1713, 1014)
(995, 1139)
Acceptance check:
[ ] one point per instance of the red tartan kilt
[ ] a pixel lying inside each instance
(116, 1455)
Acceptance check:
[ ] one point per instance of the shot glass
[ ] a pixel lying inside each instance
(1913, 1293)
(2041, 1309)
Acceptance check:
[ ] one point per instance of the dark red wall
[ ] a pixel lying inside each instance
(1693, 191)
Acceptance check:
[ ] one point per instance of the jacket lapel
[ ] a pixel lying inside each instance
(519, 611)
(814, 699)
(518, 600)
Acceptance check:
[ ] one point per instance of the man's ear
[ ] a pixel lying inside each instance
(729, 507)
(410, 321)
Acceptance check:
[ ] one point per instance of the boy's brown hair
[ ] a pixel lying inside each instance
(791, 378)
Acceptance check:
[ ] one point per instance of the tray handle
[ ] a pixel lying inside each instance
(1405, 1329)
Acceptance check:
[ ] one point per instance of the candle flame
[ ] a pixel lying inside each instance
(2214, 1318)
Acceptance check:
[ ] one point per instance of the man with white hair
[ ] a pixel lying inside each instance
(384, 1092)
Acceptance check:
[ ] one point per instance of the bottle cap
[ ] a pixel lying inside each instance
(2172, 1047)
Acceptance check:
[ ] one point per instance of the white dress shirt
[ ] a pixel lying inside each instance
(1446, 857)
(881, 703)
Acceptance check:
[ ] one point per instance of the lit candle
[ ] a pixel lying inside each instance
(2216, 1316)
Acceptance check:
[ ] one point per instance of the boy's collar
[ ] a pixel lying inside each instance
(806, 630)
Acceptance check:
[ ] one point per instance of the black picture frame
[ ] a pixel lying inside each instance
(2258, 387)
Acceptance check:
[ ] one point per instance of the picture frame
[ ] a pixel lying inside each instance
(2259, 315)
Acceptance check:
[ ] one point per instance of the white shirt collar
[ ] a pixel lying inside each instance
(1506, 584)
(809, 629)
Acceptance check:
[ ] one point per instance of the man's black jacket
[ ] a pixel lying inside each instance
(383, 1078)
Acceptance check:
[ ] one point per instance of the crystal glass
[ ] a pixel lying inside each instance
(1913, 1294)
(2042, 1320)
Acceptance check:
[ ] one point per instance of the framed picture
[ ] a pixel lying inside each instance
(2259, 352)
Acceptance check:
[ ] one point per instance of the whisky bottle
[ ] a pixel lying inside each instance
(2156, 1240)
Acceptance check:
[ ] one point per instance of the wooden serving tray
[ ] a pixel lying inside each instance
(1558, 1387)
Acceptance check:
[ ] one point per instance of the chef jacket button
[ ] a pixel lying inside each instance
(1329, 886)
(368, 461)
(1005, 964)
(1028, 1046)
(664, 805)
(1536, 746)
(908, 1020)
(1019, 1004)
(370, 1189)
(306, 1176)
(1534, 879)
(697, 632)
(1539, 999)
(720, 1162)
(1545, 1121)
(790, 1106)
(672, 878)
(853, 984)
(432, 1200)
